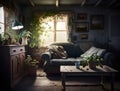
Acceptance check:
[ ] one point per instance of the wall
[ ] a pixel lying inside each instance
(114, 36)
(108, 37)
(100, 36)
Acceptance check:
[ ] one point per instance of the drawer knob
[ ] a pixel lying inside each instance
(14, 50)
(21, 49)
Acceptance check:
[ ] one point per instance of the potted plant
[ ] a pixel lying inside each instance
(92, 61)
(2, 39)
(25, 35)
(9, 37)
(31, 65)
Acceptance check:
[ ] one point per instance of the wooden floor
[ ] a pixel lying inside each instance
(53, 83)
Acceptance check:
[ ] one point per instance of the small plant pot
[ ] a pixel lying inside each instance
(92, 65)
(24, 41)
(32, 71)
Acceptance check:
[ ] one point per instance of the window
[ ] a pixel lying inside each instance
(1, 19)
(57, 29)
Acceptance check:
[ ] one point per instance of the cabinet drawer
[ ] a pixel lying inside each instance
(17, 50)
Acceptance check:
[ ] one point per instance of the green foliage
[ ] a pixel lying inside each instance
(25, 33)
(37, 29)
(30, 61)
(2, 39)
(12, 34)
(93, 58)
(9, 35)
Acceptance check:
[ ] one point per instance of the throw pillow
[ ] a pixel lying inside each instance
(89, 52)
(93, 50)
(57, 52)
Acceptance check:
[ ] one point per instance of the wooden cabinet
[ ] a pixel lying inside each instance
(12, 63)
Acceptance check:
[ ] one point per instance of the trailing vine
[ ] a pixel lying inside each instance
(37, 29)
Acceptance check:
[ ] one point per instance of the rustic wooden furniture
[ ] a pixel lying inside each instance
(12, 63)
(86, 71)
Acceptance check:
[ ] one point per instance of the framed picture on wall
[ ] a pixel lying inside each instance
(81, 27)
(81, 16)
(83, 36)
(97, 22)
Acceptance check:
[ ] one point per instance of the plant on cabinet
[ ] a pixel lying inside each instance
(25, 35)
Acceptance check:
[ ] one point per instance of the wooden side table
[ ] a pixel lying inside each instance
(99, 71)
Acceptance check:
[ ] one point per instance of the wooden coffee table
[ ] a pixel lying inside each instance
(99, 71)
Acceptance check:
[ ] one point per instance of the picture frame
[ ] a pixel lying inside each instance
(81, 27)
(81, 16)
(97, 22)
(83, 36)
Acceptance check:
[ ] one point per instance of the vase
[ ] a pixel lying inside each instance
(24, 41)
(92, 65)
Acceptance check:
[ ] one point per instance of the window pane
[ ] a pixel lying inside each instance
(48, 39)
(53, 35)
(48, 23)
(61, 26)
(1, 19)
(61, 36)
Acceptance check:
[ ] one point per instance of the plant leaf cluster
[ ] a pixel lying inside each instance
(30, 61)
(9, 35)
(93, 58)
(37, 29)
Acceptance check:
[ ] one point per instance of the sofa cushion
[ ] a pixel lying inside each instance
(77, 51)
(94, 50)
(57, 52)
(68, 61)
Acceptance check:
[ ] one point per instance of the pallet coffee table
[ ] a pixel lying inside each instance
(85, 71)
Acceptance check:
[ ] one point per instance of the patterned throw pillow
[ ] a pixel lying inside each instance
(57, 52)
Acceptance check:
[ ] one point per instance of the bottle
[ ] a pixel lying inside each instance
(77, 64)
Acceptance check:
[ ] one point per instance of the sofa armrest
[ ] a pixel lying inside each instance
(46, 56)
(108, 58)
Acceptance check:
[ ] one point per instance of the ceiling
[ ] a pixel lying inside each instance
(82, 3)
(96, 3)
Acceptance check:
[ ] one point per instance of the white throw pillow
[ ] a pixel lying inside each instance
(93, 50)
(89, 52)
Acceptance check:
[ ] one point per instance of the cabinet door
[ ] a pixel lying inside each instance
(15, 69)
(22, 63)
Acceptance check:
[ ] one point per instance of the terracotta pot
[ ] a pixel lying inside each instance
(92, 65)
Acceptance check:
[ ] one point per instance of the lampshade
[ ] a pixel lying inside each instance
(16, 25)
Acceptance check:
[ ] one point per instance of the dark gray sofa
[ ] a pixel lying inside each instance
(52, 65)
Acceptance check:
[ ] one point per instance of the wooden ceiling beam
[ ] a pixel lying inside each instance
(32, 3)
(83, 2)
(98, 2)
